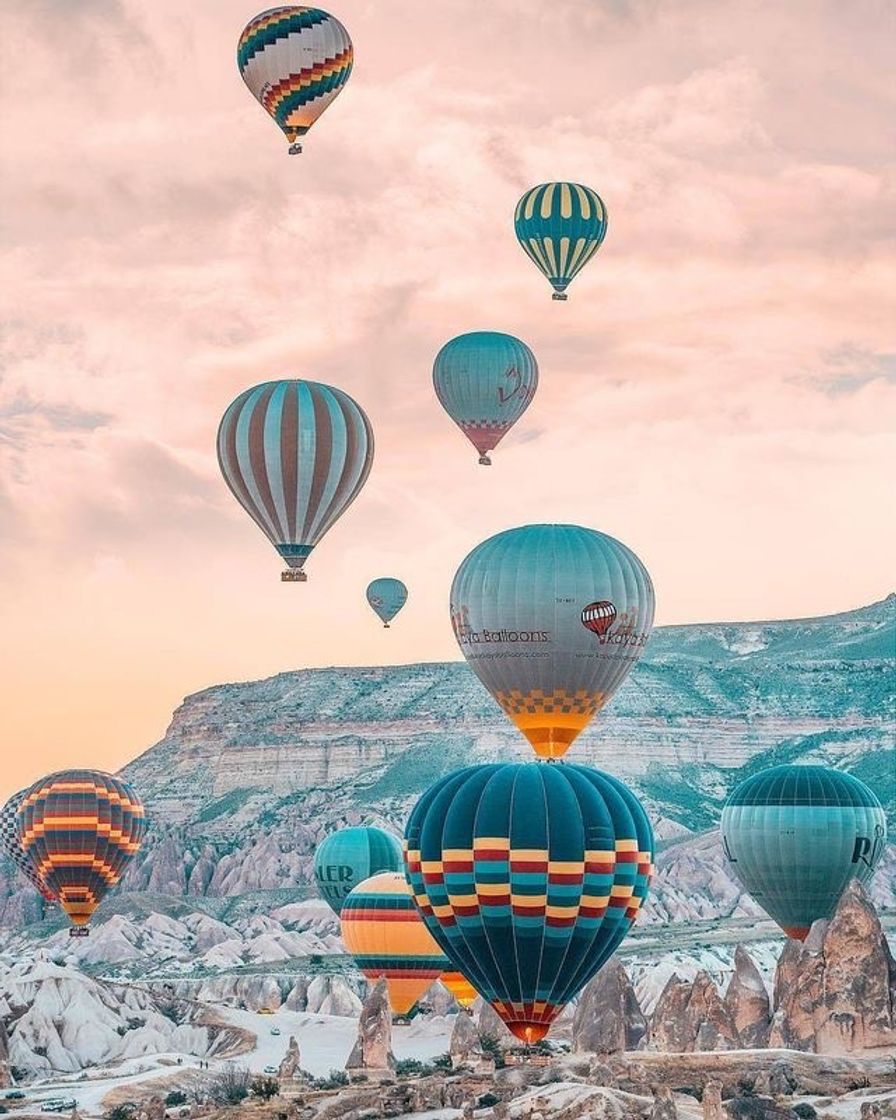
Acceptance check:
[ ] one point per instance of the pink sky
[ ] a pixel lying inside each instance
(718, 392)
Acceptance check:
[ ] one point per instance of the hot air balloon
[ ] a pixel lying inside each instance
(295, 61)
(387, 596)
(11, 845)
(528, 877)
(796, 835)
(485, 381)
(80, 829)
(351, 855)
(460, 987)
(295, 455)
(518, 605)
(561, 226)
(385, 934)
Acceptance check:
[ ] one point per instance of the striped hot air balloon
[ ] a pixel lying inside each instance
(387, 596)
(528, 877)
(295, 454)
(385, 934)
(561, 226)
(295, 61)
(461, 988)
(351, 855)
(12, 847)
(517, 604)
(80, 829)
(795, 836)
(485, 381)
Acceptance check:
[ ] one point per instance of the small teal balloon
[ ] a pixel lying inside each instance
(528, 876)
(795, 836)
(351, 855)
(387, 596)
(560, 226)
(485, 381)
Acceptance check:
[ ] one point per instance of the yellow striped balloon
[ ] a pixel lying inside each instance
(383, 930)
(461, 988)
(560, 226)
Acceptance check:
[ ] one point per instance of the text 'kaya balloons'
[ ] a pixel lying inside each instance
(796, 835)
(80, 829)
(351, 855)
(561, 226)
(12, 845)
(528, 876)
(384, 932)
(295, 61)
(525, 606)
(387, 596)
(295, 454)
(485, 382)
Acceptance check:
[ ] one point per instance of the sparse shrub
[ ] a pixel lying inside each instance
(124, 1111)
(334, 1080)
(488, 1100)
(805, 1111)
(175, 1098)
(492, 1048)
(404, 1067)
(230, 1086)
(265, 1087)
(442, 1062)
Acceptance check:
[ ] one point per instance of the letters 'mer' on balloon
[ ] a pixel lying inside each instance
(796, 835)
(528, 877)
(386, 597)
(295, 455)
(295, 61)
(485, 381)
(351, 855)
(80, 829)
(551, 618)
(387, 937)
(561, 226)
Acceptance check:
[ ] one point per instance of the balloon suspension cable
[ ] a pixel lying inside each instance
(293, 575)
(484, 461)
(560, 295)
(295, 149)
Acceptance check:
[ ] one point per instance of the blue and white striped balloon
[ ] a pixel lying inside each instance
(295, 454)
(561, 226)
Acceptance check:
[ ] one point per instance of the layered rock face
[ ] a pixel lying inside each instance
(691, 1015)
(747, 1002)
(373, 1049)
(836, 992)
(608, 1019)
(291, 1066)
(5, 1076)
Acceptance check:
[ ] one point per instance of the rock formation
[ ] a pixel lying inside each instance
(464, 1040)
(373, 1050)
(5, 1076)
(690, 1015)
(663, 1107)
(712, 1101)
(291, 1066)
(836, 992)
(747, 1002)
(608, 1018)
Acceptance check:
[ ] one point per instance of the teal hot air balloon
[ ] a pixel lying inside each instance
(485, 381)
(295, 454)
(551, 618)
(387, 596)
(351, 855)
(796, 835)
(561, 226)
(528, 877)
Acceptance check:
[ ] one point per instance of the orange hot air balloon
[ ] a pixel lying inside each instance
(383, 930)
(80, 829)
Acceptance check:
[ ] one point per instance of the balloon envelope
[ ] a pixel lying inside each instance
(387, 596)
(295, 454)
(385, 934)
(80, 829)
(12, 846)
(485, 381)
(517, 606)
(561, 226)
(295, 61)
(351, 855)
(796, 835)
(460, 987)
(528, 877)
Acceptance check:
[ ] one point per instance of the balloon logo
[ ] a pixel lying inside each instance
(295, 61)
(485, 381)
(295, 455)
(528, 877)
(386, 597)
(794, 836)
(560, 226)
(515, 609)
(598, 618)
